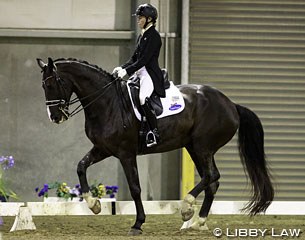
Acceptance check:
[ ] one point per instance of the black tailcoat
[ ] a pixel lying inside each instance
(147, 54)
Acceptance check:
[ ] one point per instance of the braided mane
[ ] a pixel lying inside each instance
(102, 71)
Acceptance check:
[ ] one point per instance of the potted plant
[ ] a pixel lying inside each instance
(6, 162)
(63, 191)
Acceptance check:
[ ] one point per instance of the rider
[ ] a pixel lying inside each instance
(144, 64)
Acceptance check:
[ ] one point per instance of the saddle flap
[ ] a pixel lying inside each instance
(156, 104)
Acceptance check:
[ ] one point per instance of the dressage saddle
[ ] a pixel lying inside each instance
(155, 100)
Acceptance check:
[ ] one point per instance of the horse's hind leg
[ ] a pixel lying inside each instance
(210, 192)
(209, 196)
(187, 210)
(93, 156)
(209, 182)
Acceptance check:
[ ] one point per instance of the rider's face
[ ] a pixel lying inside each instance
(141, 21)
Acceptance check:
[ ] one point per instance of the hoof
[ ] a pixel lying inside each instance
(187, 214)
(135, 232)
(96, 209)
(200, 225)
(187, 209)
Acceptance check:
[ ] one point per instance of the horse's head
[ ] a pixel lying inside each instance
(57, 92)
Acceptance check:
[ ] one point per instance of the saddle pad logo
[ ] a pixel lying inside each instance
(175, 106)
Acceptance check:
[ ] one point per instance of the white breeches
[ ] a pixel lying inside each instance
(146, 84)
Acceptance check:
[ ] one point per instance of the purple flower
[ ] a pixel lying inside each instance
(79, 189)
(111, 190)
(7, 162)
(44, 191)
(75, 192)
(41, 193)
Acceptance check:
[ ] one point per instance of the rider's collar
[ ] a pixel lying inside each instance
(145, 29)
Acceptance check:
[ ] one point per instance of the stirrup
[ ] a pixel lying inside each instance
(151, 142)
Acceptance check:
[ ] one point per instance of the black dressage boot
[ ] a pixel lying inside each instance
(152, 137)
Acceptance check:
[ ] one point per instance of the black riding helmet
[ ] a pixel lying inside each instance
(147, 10)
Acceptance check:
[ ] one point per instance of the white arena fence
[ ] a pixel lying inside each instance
(23, 212)
(113, 207)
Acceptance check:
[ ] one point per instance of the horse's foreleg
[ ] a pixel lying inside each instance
(93, 156)
(131, 172)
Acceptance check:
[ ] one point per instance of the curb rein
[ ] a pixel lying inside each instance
(99, 93)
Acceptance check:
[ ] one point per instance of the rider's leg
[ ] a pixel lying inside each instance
(146, 85)
(146, 89)
(152, 137)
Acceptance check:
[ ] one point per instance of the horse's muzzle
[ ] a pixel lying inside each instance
(62, 115)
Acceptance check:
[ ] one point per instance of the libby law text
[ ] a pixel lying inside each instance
(258, 232)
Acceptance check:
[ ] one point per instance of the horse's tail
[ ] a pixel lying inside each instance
(252, 154)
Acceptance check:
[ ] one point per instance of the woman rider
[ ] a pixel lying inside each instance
(144, 64)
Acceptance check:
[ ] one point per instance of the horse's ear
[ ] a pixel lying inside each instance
(41, 64)
(50, 63)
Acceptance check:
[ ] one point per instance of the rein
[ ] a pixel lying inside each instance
(101, 91)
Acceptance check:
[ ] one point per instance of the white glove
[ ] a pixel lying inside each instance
(122, 73)
(116, 69)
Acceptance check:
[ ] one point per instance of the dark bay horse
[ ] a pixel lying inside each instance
(207, 123)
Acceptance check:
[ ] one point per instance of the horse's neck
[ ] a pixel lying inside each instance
(88, 84)
(85, 80)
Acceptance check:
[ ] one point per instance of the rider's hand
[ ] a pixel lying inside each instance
(122, 73)
(115, 70)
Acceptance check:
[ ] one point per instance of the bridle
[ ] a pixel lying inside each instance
(63, 103)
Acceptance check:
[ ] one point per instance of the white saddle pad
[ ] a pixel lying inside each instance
(172, 104)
